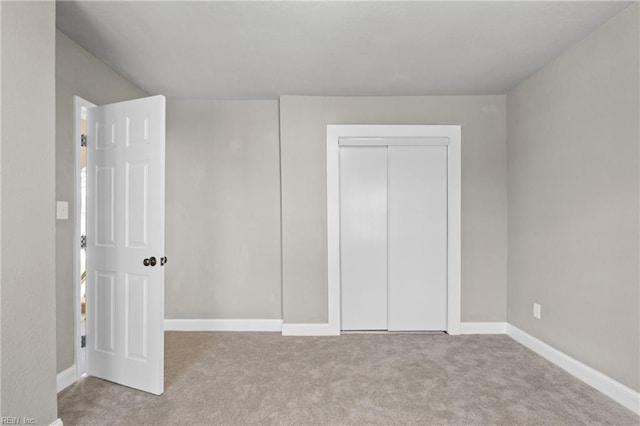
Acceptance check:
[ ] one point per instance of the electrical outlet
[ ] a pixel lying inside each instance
(536, 310)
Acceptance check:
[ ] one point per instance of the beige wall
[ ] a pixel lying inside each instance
(223, 210)
(28, 385)
(573, 132)
(77, 73)
(484, 202)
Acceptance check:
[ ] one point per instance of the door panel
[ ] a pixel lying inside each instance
(105, 208)
(136, 339)
(417, 238)
(363, 221)
(105, 311)
(125, 225)
(136, 209)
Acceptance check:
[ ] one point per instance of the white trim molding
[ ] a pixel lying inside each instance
(78, 105)
(615, 390)
(66, 378)
(223, 325)
(310, 329)
(446, 135)
(483, 328)
(57, 422)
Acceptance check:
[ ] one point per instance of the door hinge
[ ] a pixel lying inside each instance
(83, 341)
(83, 140)
(83, 241)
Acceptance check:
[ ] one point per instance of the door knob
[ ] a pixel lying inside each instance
(163, 260)
(151, 261)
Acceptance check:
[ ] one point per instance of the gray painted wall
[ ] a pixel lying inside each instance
(223, 210)
(77, 73)
(573, 132)
(0, 205)
(28, 385)
(484, 195)
(1, 102)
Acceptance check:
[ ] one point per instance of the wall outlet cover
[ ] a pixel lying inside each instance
(536, 310)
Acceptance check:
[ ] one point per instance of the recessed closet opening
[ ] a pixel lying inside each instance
(394, 200)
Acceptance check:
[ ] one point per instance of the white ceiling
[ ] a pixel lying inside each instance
(255, 50)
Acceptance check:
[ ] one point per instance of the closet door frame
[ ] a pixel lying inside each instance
(395, 135)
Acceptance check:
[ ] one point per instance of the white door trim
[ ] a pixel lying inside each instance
(341, 135)
(78, 104)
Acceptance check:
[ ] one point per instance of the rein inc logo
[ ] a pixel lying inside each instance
(17, 421)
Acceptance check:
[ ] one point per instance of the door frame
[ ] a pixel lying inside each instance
(78, 104)
(371, 135)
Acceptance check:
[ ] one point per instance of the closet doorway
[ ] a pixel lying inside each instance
(394, 228)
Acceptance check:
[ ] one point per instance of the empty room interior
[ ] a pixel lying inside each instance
(320, 212)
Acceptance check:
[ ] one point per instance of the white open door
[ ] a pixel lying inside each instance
(125, 243)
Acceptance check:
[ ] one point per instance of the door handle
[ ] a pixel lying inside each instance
(151, 261)
(163, 260)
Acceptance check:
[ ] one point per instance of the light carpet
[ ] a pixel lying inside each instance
(265, 378)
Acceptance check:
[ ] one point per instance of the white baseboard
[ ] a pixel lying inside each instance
(605, 384)
(66, 378)
(57, 422)
(320, 329)
(223, 324)
(483, 328)
(323, 329)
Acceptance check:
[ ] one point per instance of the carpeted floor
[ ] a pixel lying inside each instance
(264, 378)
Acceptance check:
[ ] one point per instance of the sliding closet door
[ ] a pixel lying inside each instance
(363, 237)
(417, 238)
